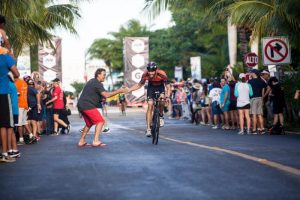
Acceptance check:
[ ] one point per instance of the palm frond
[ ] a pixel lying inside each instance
(154, 8)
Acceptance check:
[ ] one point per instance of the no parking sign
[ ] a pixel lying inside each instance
(276, 51)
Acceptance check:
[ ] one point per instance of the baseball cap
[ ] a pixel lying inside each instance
(255, 71)
(56, 80)
(30, 82)
(242, 75)
(264, 72)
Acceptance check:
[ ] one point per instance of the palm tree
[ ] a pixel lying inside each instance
(104, 49)
(26, 26)
(266, 18)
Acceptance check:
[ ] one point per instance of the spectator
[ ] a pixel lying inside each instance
(277, 98)
(180, 97)
(3, 37)
(22, 89)
(206, 109)
(243, 91)
(214, 96)
(63, 115)
(234, 115)
(256, 102)
(58, 106)
(12, 142)
(7, 63)
(34, 109)
(88, 103)
(225, 102)
(49, 109)
(268, 115)
(197, 93)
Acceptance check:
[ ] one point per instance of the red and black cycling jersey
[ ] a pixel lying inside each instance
(160, 78)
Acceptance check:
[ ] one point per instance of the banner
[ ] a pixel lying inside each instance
(136, 57)
(178, 73)
(50, 61)
(196, 67)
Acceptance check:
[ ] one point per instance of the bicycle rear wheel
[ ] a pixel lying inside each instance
(155, 126)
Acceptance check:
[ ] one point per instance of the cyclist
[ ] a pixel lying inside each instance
(157, 82)
(122, 103)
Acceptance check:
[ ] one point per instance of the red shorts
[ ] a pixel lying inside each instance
(92, 117)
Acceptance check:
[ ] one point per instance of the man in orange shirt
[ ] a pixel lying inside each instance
(22, 89)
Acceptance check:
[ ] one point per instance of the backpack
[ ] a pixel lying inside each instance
(277, 130)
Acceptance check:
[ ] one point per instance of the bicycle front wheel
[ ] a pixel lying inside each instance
(155, 126)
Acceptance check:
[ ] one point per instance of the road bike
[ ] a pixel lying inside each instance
(155, 118)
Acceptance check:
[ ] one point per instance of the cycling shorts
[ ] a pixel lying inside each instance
(152, 89)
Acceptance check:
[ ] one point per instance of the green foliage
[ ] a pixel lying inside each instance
(291, 83)
(78, 86)
(30, 22)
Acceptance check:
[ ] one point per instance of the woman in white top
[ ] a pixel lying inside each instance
(243, 92)
(214, 96)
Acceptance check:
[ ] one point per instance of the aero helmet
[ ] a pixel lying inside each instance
(151, 66)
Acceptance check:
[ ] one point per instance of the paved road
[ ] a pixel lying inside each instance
(190, 162)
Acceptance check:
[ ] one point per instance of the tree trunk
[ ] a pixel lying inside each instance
(232, 42)
(111, 77)
(244, 45)
(34, 58)
(254, 47)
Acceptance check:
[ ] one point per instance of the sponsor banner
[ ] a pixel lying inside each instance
(178, 73)
(50, 60)
(196, 67)
(136, 56)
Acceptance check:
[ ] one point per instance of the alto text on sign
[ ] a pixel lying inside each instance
(251, 59)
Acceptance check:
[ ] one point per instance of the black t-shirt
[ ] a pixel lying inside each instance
(257, 86)
(91, 95)
(277, 94)
(31, 98)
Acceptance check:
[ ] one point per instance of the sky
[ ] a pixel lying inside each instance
(98, 18)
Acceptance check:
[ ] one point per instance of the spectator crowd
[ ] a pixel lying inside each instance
(29, 106)
(251, 104)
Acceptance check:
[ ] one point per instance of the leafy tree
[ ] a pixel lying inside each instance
(78, 86)
(190, 37)
(26, 26)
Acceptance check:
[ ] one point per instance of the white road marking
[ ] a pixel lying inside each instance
(263, 161)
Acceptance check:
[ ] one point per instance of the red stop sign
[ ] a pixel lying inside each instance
(251, 59)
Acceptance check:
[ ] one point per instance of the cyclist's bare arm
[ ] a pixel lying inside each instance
(113, 93)
(135, 87)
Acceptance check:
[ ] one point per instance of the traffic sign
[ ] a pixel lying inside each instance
(251, 59)
(276, 51)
